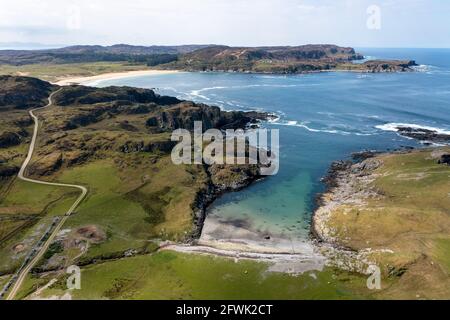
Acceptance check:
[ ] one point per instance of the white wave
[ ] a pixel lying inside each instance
(294, 123)
(196, 93)
(423, 68)
(249, 86)
(394, 127)
(274, 118)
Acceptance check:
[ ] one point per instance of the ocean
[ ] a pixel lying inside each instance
(322, 118)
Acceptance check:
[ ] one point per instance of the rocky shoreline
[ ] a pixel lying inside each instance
(244, 176)
(346, 183)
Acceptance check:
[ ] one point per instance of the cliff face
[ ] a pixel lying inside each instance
(183, 115)
(81, 95)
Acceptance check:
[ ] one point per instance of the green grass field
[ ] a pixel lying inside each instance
(37, 205)
(411, 218)
(170, 275)
(54, 72)
(133, 205)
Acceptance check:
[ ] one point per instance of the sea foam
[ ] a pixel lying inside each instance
(395, 127)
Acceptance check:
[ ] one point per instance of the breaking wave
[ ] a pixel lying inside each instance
(395, 127)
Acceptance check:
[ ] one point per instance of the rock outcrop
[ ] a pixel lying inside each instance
(7, 171)
(183, 115)
(81, 95)
(9, 139)
(379, 66)
(445, 159)
(424, 135)
(23, 92)
(222, 179)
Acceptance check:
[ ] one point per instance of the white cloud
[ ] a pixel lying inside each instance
(235, 22)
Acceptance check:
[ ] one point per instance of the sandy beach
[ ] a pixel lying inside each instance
(284, 254)
(110, 76)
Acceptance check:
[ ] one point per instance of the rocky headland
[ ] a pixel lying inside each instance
(392, 209)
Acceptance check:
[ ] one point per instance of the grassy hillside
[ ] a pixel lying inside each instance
(403, 208)
(116, 142)
(150, 55)
(169, 275)
(55, 72)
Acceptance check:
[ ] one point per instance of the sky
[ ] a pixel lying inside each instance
(356, 23)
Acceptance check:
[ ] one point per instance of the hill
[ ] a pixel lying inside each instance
(281, 59)
(265, 59)
(81, 54)
(116, 142)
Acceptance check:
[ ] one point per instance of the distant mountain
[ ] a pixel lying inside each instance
(281, 59)
(151, 55)
(130, 49)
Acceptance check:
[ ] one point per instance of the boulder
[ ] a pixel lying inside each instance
(445, 159)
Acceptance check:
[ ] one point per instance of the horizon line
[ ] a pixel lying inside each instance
(42, 46)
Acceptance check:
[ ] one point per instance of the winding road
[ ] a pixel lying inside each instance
(26, 269)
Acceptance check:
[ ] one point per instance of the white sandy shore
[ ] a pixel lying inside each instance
(296, 263)
(110, 76)
(284, 254)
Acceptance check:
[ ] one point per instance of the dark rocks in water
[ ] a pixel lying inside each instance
(409, 148)
(445, 159)
(363, 155)
(424, 135)
(378, 66)
(267, 238)
(335, 168)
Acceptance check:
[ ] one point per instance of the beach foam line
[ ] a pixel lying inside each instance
(294, 123)
(395, 127)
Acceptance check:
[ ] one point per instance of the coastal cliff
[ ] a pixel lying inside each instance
(94, 60)
(282, 60)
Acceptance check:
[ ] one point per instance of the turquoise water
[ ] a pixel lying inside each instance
(323, 117)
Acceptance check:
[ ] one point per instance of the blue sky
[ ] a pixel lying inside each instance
(403, 23)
